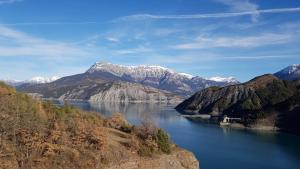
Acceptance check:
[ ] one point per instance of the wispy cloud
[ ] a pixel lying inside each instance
(16, 43)
(259, 57)
(9, 1)
(242, 6)
(138, 50)
(112, 39)
(204, 16)
(47, 23)
(239, 5)
(240, 41)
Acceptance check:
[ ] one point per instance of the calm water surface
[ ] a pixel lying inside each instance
(213, 146)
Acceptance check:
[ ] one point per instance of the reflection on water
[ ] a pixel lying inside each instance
(136, 112)
(215, 147)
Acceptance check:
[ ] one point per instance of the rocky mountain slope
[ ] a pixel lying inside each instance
(291, 72)
(99, 88)
(263, 101)
(159, 77)
(39, 135)
(114, 83)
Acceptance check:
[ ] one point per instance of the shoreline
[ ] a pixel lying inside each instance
(234, 125)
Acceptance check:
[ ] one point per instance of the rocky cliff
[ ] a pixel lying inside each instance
(265, 100)
(135, 93)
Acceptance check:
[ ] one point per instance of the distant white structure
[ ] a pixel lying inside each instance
(227, 120)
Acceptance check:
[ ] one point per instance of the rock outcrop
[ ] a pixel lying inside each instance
(179, 159)
(134, 93)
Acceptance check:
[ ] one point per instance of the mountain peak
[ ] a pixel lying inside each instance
(291, 72)
(140, 71)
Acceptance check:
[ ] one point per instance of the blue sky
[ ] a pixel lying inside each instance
(240, 38)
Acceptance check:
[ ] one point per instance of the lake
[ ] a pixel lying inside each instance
(213, 146)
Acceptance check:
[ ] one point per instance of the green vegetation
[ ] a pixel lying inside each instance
(251, 103)
(163, 141)
(155, 139)
(276, 92)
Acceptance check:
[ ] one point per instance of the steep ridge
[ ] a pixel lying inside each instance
(265, 97)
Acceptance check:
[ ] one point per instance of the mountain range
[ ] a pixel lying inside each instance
(117, 83)
(159, 77)
(33, 80)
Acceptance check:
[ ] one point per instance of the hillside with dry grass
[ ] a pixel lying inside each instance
(40, 135)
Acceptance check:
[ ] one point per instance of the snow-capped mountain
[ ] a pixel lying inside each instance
(33, 80)
(291, 72)
(158, 77)
(224, 79)
(111, 82)
(40, 79)
(13, 82)
(137, 72)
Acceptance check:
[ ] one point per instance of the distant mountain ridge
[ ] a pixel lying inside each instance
(33, 80)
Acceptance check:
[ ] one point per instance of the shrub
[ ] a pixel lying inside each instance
(153, 139)
(126, 128)
(163, 141)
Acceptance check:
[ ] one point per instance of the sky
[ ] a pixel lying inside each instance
(239, 38)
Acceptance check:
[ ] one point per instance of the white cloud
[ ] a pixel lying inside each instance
(48, 23)
(240, 42)
(16, 43)
(242, 6)
(9, 1)
(239, 5)
(204, 16)
(138, 50)
(259, 57)
(113, 39)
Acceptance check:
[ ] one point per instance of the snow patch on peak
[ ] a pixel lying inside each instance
(223, 79)
(141, 71)
(189, 76)
(293, 68)
(40, 79)
(148, 71)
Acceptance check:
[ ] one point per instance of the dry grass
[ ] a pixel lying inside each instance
(40, 135)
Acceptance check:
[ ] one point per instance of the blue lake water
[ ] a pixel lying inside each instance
(213, 146)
